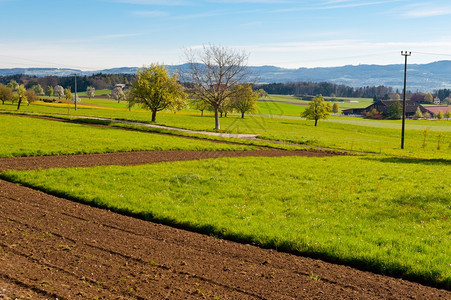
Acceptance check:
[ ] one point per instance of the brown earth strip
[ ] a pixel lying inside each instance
(138, 157)
(54, 248)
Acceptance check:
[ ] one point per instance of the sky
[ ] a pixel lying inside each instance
(100, 34)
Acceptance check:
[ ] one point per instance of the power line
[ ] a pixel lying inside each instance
(428, 53)
(42, 64)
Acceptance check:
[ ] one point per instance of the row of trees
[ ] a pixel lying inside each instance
(155, 90)
(98, 81)
(327, 89)
(57, 91)
(338, 90)
(217, 80)
(16, 93)
(19, 93)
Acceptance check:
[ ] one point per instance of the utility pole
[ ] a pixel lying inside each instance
(75, 100)
(405, 54)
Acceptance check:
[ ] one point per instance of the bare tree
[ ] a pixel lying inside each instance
(215, 72)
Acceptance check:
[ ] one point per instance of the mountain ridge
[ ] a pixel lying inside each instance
(421, 77)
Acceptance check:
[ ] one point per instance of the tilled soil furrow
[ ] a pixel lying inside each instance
(154, 261)
(107, 270)
(46, 280)
(12, 288)
(277, 273)
(175, 264)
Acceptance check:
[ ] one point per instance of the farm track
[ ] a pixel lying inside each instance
(139, 157)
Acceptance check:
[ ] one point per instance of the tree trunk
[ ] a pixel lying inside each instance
(242, 115)
(201, 113)
(216, 118)
(316, 122)
(154, 115)
(20, 101)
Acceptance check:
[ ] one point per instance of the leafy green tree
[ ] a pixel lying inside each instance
(117, 94)
(198, 104)
(155, 90)
(447, 114)
(30, 96)
(90, 92)
(13, 85)
(178, 104)
(318, 109)
(262, 93)
(394, 111)
(439, 115)
(335, 108)
(49, 91)
(37, 89)
(418, 113)
(215, 71)
(6, 94)
(428, 98)
(58, 91)
(21, 95)
(244, 99)
(68, 94)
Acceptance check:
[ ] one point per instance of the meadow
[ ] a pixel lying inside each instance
(24, 136)
(384, 214)
(430, 139)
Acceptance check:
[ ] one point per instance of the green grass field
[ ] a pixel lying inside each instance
(373, 136)
(96, 92)
(388, 215)
(23, 136)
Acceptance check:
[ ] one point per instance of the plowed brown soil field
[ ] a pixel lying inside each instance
(54, 248)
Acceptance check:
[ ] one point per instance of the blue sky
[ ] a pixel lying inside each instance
(97, 34)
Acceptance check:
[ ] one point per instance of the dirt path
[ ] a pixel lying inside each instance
(138, 157)
(54, 248)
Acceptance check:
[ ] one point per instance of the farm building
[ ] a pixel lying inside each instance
(383, 105)
(433, 110)
(123, 86)
(353, 111)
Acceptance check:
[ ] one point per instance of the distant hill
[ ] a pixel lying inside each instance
(422, 77)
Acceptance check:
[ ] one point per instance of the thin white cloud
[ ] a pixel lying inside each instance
(97, 38)
(251, 1)
(151, 13)
(155, 2)
(339, 4)
(350, 4)
(425, 11)
(355, 45)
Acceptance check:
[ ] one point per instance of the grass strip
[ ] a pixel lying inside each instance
(23, 136)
